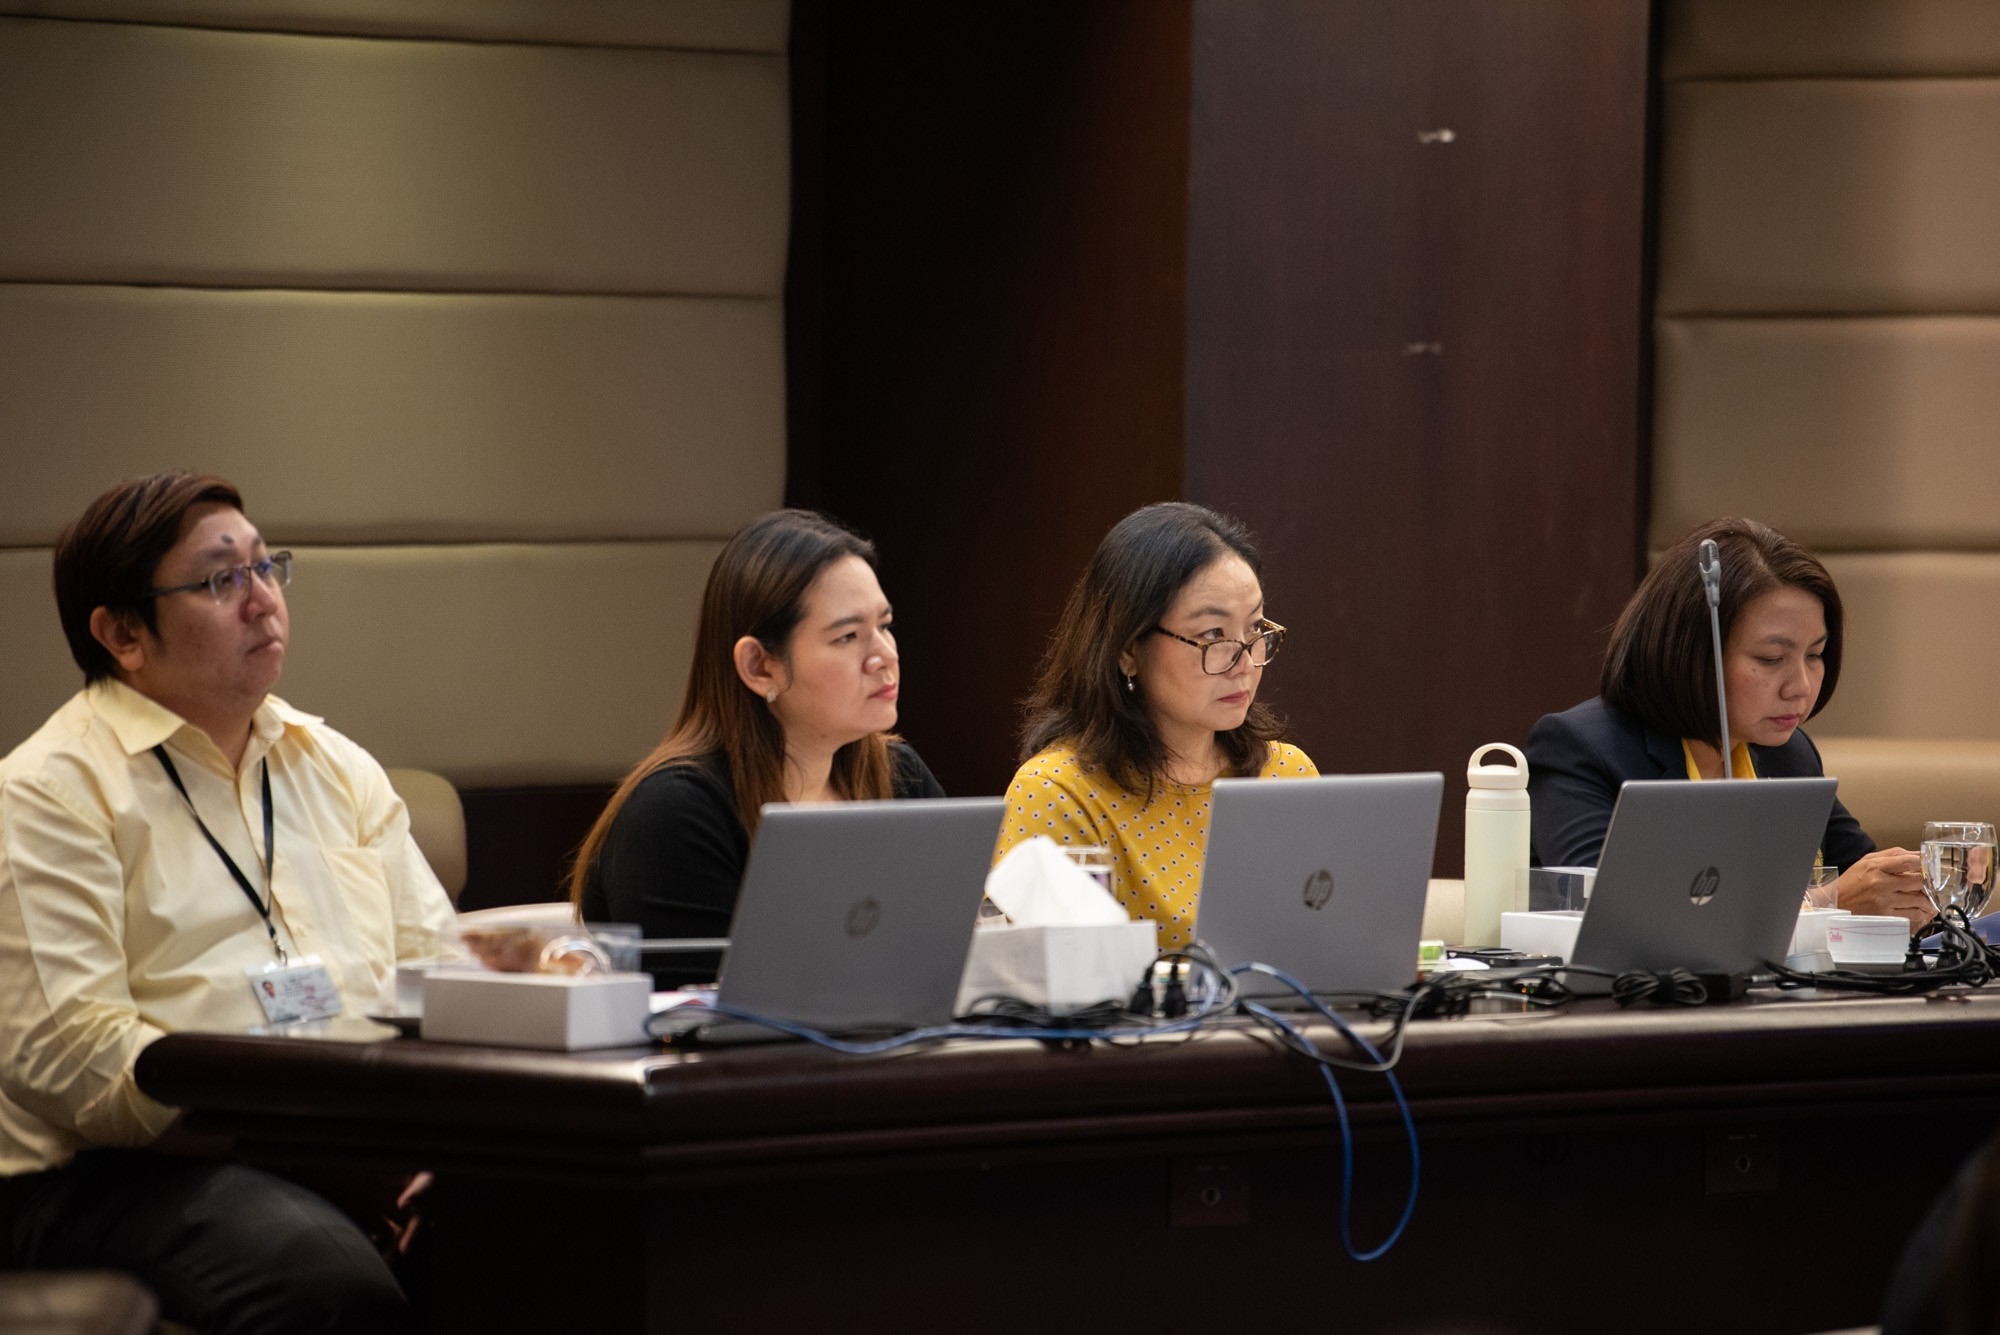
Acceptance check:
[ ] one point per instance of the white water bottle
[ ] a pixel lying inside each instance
(1497, 831)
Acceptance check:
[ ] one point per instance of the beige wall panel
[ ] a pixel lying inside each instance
(498, 664)
(1894, 784)
(352, 417)
(1856, 433)
(180, 155)
(491, 665)
(1923, 634)
(694, 25)
(1831, 196)
(1823, 37)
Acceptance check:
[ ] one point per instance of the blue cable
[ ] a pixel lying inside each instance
(1219, 1001)
(1271, 1017)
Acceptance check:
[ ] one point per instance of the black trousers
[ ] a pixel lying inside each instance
(229, 1250)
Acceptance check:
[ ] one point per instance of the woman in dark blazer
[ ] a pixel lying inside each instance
(1655, 716)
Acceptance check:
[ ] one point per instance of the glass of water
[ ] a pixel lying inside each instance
(1958, 857)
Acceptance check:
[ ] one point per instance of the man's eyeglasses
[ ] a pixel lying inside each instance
(1219, 656)
(275, 570)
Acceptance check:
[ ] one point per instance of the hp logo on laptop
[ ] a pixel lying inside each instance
(861, 919)
(1319, 889)
(1702, 888)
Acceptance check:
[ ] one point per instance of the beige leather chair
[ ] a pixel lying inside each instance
(437, 823)
(1894, 784)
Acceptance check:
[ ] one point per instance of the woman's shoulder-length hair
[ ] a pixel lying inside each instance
(1660, 666)
(1080, 699)
(757, 587)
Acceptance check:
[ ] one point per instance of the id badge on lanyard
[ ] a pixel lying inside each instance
(300, 990)
(289, 990)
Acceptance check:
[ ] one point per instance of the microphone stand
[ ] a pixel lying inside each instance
(1709, 562)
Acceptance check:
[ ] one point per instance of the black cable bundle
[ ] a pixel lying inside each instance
(1004, 1012)
(1667, 987)
(1964, 960)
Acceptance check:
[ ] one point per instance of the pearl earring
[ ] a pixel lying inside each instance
(771, 696)
(1128, 683)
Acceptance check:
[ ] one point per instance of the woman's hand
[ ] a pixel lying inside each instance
(1889, 881)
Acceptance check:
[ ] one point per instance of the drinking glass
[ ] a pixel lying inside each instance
(1093, 860)
(1958, 857)
(1821, 889)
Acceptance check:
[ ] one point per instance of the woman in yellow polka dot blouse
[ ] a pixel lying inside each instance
(1147, 695)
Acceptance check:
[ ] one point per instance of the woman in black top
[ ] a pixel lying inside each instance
(1655, 716)
(790, 698)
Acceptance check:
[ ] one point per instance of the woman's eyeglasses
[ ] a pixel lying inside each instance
(1219, 656)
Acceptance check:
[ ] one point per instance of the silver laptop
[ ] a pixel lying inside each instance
(857, 916)
(1701, 876)
(1323, 878)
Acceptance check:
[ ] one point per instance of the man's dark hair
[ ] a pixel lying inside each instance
(1660, 667)
(1080, 698)
(107, 557)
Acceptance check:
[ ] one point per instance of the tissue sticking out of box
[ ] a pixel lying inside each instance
(1069, 945)
(1036, 885)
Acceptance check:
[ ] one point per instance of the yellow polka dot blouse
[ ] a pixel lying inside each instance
(1157, 846)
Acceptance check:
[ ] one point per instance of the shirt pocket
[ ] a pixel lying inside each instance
(362, 883)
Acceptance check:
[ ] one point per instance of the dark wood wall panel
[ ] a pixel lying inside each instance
(1414, 356)
(1051, 261)
(999, 307)
(519, 841)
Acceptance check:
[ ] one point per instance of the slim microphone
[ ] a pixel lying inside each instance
(1709, 562)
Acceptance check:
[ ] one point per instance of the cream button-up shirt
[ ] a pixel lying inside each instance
(118, 923)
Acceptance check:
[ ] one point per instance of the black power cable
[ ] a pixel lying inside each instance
(1964, 960)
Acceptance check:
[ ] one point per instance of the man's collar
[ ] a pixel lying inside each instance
(141, 723)
(274, 716)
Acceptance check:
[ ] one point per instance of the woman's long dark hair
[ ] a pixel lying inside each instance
(1660, 665)
(1080, 698)
(757, 587)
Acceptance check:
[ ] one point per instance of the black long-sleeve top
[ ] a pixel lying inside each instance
(673, 860)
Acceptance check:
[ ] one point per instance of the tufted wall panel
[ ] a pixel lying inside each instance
(1833, 196)
(1828, 330)
(176, 155)
(695, 25)
(493, 664)
(1821, 38)
(373, 417)
(480, 304)
(1852, 433)
(1923, 642)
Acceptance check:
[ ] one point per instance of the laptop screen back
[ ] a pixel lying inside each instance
(1323, 878)
(859, 915)
(1703, 876)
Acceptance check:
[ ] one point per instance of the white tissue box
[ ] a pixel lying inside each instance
(1061, 968)
(1543, 932)
(563, 1012)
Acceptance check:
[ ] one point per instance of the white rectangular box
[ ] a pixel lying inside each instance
(1546, 932)
(1062, 968)
(562, 1012)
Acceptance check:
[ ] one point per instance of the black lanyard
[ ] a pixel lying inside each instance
(270, 848)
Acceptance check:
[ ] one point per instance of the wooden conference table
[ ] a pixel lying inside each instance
(1752, 1167)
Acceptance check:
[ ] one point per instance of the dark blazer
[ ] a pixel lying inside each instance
(1578, 758)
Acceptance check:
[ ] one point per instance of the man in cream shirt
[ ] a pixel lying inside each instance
(179, 849)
